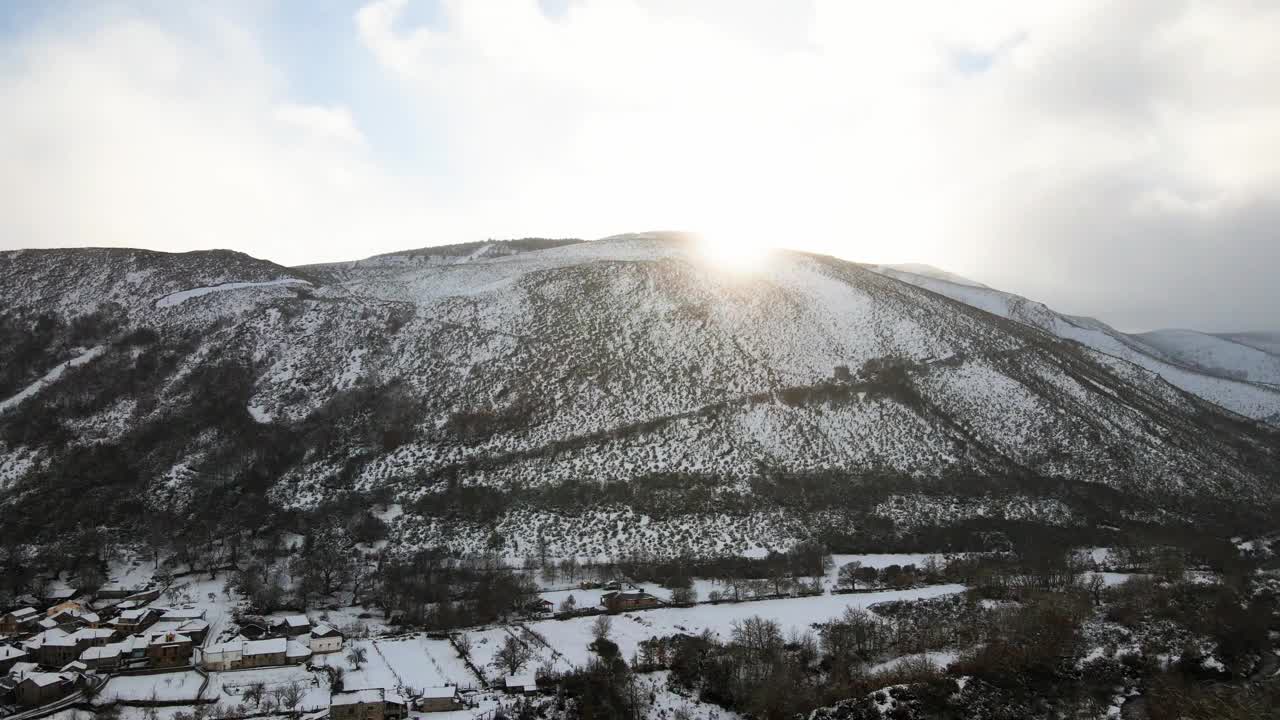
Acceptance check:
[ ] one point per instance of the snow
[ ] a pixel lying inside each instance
(939, 658)
(408, 663)
(168, 687)
(571, 637)
(50, 377)
(178, 298)
(1255, 401)
(1221, 355)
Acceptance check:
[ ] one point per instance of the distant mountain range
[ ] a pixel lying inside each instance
(1239, 372)
(618, 396)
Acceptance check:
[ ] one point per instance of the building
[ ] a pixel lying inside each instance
(628, 600)
(371, 704)
(9, 656)
(239, 653)
(135, 620)
(522, 684)
(325, 639)
(169, 649)
(60, 595)
(262, 653)
(223, 656)
(539, 607)
(183, 613)
(197, 630)
(438, 699)
(53, 648)
(18, 621)
(43, 688)
(106, 658)
(117, 590)
(293, 625)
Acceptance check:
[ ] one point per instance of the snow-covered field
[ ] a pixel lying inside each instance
(232, 684)
(571, 637)
(409, 664)
(166, 687)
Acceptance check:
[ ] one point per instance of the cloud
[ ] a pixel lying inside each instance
(131, 134)
(1116, 160)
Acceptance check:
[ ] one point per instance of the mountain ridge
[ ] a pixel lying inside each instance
(595, 397)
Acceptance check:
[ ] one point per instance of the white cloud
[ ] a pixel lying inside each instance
(1068, 150)
(132, 135)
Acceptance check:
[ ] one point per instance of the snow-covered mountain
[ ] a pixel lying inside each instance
(1223, 355)
(1229, 373)
(614, 396)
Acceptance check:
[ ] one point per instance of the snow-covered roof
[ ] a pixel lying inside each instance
(266, 647)
(92, 634)
(22, 613)
(133, 614)
(324, 630)
(44, 679)
(297, 649)
(8, 652)
(104, 652)
(168, 638)
(355, 697)
(183, 614)
(75, 666)
(444, 691)
(297, 621)
(61, 594)
(52, 638)
(22, 668)
(522, 682)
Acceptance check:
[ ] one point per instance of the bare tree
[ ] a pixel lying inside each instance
(289, 695)
(512, 655)
(602, 626)
(357, 656)
(254, 693)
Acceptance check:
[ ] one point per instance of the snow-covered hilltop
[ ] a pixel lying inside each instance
(1230, 373)
(620, 395)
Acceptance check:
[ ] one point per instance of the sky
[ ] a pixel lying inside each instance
(1113, 159)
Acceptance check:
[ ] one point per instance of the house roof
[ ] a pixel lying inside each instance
(297, 621)
(132, 614)
(522, 682)
(61, 594)
(168, 638)
(44, 679)
(105, 652)
(323, 630)
(22, 668)
(75, 666)
(22, 613)
(92, 634)
(444, 691)
(9, 652)
(52, 638)
(355, 697)
(183, 614)
(266, 647)
(296, 649)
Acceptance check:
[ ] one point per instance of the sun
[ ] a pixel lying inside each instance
(733, 251)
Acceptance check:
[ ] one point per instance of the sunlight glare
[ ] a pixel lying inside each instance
(733, 251)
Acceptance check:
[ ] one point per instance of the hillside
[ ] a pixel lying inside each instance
(1219, 370)
(1217, 355)
(609, 397)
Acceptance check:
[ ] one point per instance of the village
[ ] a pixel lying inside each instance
(150, 649)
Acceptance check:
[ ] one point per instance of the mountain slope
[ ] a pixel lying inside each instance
(605, 397)
(1251, 399)
(1217, 355)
